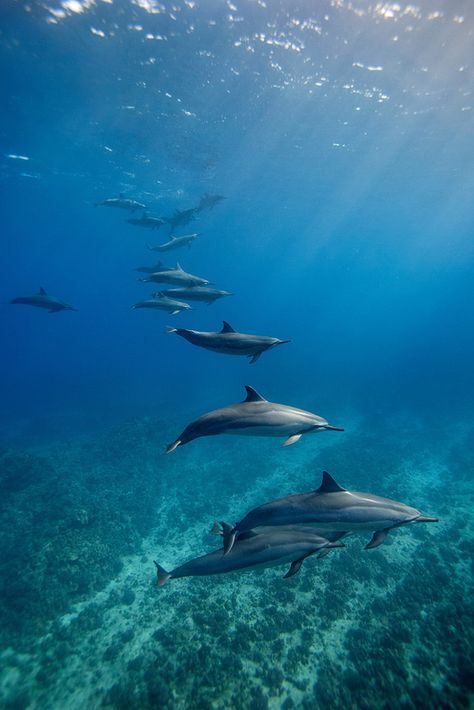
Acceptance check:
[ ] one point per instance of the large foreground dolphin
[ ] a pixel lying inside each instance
(332, 508)
(254, 549)
(255, 416)
(228, 342)
(44, 300)
(175, 276)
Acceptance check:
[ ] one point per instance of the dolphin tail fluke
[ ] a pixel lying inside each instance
(378, 538)
(173, 446)
(170, 329)
(216, 529)
(162, 576)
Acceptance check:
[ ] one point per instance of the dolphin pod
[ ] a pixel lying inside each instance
(285, 530)
(255, 416)
(228, 342)
(331, 508)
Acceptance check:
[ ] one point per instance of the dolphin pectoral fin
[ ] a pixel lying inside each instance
(162, 576)
(295, 566)
(229, 537)
(173, 446)
(378, 538)
(292, 439)
(254, 358)
(173, 313)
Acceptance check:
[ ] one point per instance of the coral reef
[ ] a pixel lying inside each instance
(392, 627)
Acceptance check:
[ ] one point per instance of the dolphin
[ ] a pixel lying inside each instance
(164, 304)
(208, 202)
(255, 416)
(122, 202)
(175, 276)
(197, 293)
(181, 217)
(146, 221)
(228, 342)
(254, 549)
(332, 508)
(43, 300)
(159, 266)
(175, 242)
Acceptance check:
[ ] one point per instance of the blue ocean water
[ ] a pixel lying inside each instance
(340, 135)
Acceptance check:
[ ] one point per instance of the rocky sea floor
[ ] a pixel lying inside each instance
(83, 625)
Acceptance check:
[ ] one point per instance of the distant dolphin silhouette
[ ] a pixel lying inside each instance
(255, 416)
(124, 203)
(164, 304)
(43, 300)
(254, 549)
(208, 202)
(228, 342)
(332, 508)
(207, 294)
(175, 276)
(146, 221)
(175, 243)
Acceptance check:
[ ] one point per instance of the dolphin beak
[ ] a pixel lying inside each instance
(332, 428)
(282, 342)
(426, 519)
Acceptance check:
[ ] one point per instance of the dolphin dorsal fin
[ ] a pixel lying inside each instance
(178, 266)
(226, 328)
(329, 485)
(41, 291)
(253, 395)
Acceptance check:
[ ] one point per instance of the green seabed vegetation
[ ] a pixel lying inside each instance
(83, 520)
